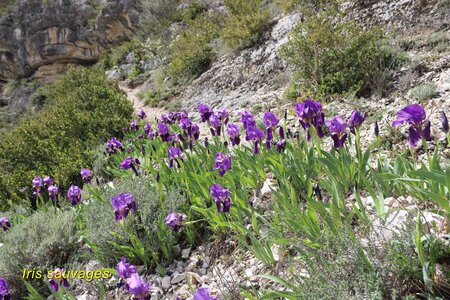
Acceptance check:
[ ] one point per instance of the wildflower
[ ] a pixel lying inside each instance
(376, 129)
(233, 132)
(122, 204)
(224, 116)
(130, 163)
(174, 220)
(174, 153)
(247, 119)
(5, 224)
(256, 135)
(124, 269)
(57, 279)
(444, 122)
(86, 174)
(205, 111)
(134, 125)
(216, 125)
(222, 198)
(337, 128)
(222, 163)
(4, 290)
(186, 125)
(147, 128)
(142, 115)
(139, 287)
(195, 131)
(310, 113)
(414, 115)
(53, 191)
(356, 120)
(113, 145)
(271, 121)
(48, 181)
(203, 294)
(163, 131)
(37, 182)
(74, 195)
(281, 145)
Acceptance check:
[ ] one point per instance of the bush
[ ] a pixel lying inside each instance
(42, 241)
(191, 53)
(335, 59)
(424, 92)
(245, 23)
(148, 223)
(83, 110)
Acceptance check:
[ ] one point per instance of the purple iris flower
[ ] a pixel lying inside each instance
(224, 116)
(163, 131)
(4, 290)
(444, 122)
(203, 294)
(142, 115)
(37, 182)
(376, 129)
(195, 131)
(147, 128)
(57, 279)
(53, 191)
(233, 132)
(185, 124)
(113, 146)
(337, 128)
(139, 287)
(134, 124)
(281, 145)
(256, 135)
(122, 204)
(222, 163)
(247, 119)
(124, 269)
(127, 163)
(48, 181)
(86, 174)
(5, 223)
(174, 220)
(271, 121)
(174, 153)
(414, 115)
(74, 195)
(216, 125)
(356, 119)
(205, 111)
(310, 113)
(222, 198)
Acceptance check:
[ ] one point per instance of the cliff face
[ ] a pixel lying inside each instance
(39, 38)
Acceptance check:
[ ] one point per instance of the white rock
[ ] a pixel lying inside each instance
(185, 253)
(178, 278)
(166, 283)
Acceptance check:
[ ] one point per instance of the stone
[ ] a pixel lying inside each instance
(193, 279)
(185, 253)
(177, 250)
(166, 283)
(178, 278)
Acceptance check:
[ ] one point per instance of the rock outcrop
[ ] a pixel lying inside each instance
(40, 38)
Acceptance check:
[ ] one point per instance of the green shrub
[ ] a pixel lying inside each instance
(335, 59)
(158, 15)
(41, 241)
(147, 223)
(246, 22)
(190, 52)
(424, 91)
(83, 110)
(192, 11)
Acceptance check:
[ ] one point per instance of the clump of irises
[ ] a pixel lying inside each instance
(133, 282)
(123, 204)
(4, 290)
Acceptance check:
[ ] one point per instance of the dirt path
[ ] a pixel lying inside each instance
(138, 104)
